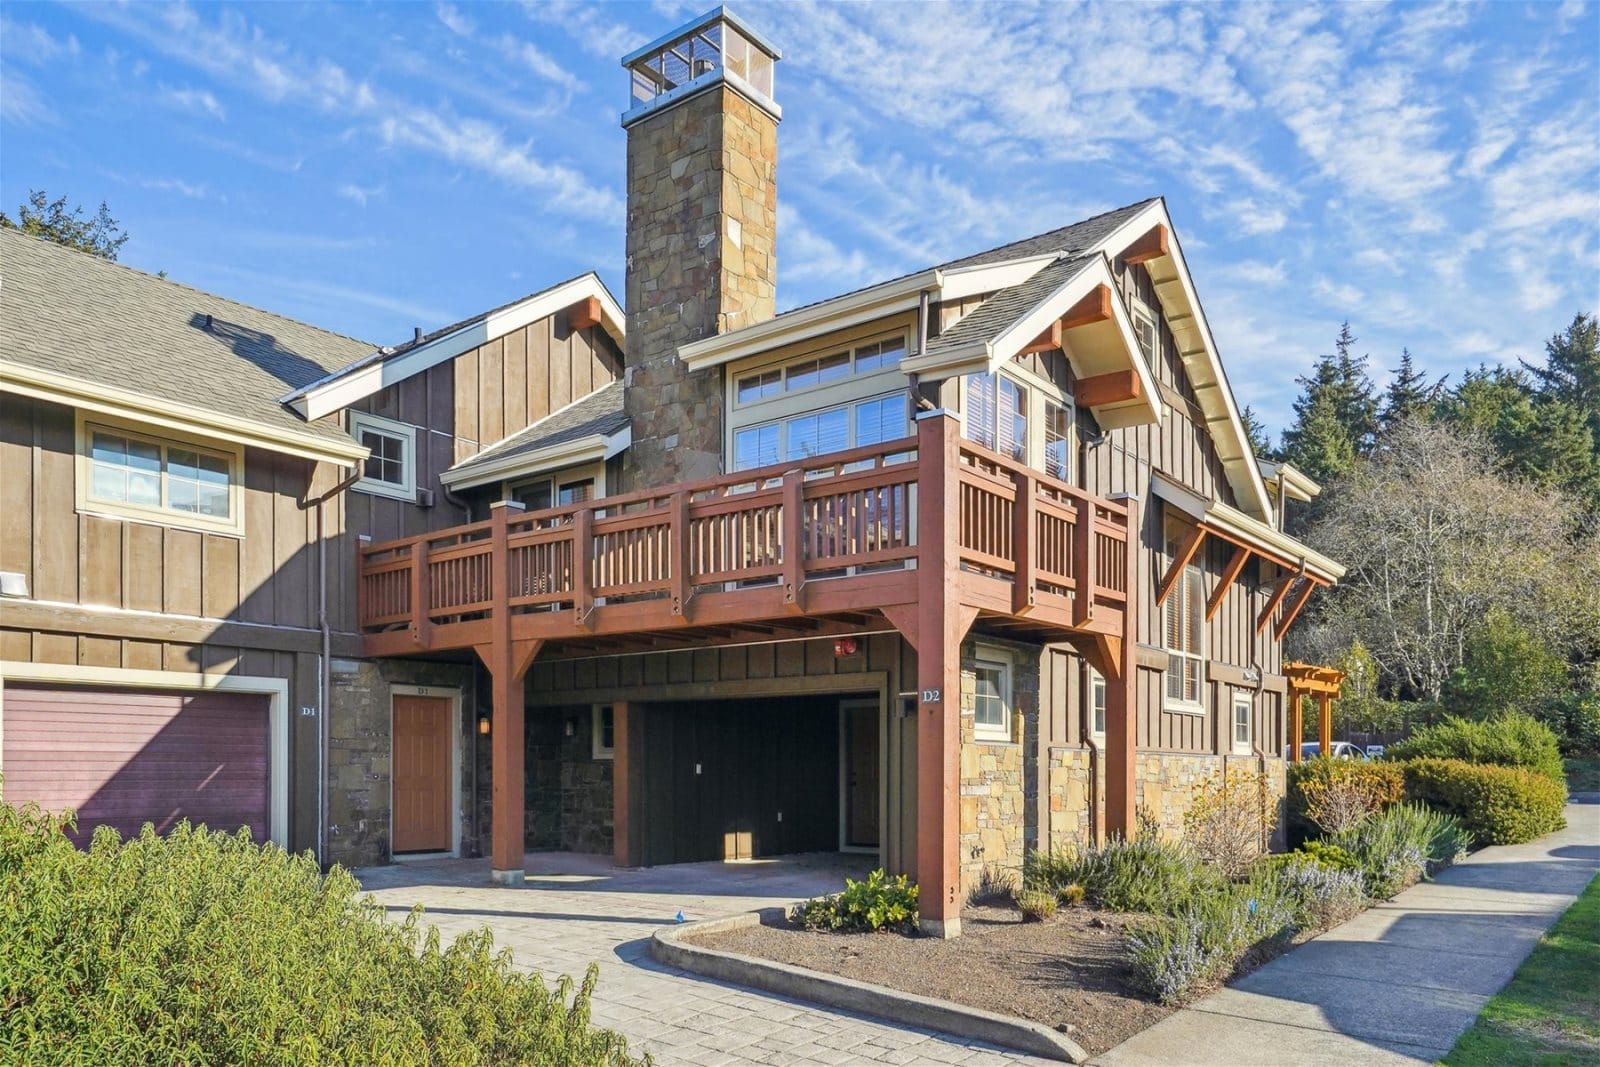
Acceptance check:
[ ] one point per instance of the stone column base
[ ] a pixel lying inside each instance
(945, 929)
(514, 877)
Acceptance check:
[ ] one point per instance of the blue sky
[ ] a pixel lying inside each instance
(1429, 171)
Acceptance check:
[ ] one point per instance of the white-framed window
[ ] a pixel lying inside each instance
(991, 699)
(603, 743)
(756, 446)
(1144, 328)
(815, 433)
(1097, 703)
(997, 414)
(1243, 720)
(760, 386)
(880, 355)
(1058, 440)
(810, 373)
(170, 479)
(1183, 631)
(391, 469)
(575, 492)
(819, 370)
(881, 419)
(535, 495)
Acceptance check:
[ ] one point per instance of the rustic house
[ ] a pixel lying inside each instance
(969, 562)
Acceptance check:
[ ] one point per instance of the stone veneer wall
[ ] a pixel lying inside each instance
(568, 790)
(998, 780)
(1164, 785)
(360, 750)
(701, 260)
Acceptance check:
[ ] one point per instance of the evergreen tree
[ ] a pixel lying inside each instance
(1336, 414)
(1409, 394)
(1355, 399)
(1256, 433)
(39, 216)
(1571, 374)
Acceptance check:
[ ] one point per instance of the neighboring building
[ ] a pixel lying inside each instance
(970, 562)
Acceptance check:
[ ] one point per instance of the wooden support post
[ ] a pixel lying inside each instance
(421, 625)
(794, 532)
(508, 662)
(941, 623)
(1297, 726)
(627, 830)
(582, 567)
(1122, 702)
(1325, 724)
(1083, 568)
(682, 590)
(1023, 586)
(1230, 573)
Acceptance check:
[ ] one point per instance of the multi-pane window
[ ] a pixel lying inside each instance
(1057, 440)
(882, 355)
(817, 433)
(534, 496)
(815, 371)
(810, 373)
(1144, 328)
(1097, 703)
(883, 419)
(1243, 714)
(1184, 630)
(604, 740)
(756, 446)
(128, 470)
(576, 492)
(991, 700)
(997, 414)
(390, 467)
(760, 386)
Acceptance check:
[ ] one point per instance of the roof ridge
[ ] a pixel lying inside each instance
(101, 260)
(1054, 229)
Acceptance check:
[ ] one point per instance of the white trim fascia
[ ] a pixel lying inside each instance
(1244, 461)
(1298, 485)
(593, 448)
(862, 306)
(457, 726)
(346, 387)
(1253, 531)
(168, 414)
(276, 689)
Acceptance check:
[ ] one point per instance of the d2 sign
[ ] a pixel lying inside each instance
(932, 696)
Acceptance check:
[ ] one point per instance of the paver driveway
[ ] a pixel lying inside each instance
(576, 910)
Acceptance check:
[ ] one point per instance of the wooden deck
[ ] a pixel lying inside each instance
(824, 545)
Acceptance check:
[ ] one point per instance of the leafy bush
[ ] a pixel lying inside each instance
(1323, 896)
(879, 903)
(1200, 943)
(1575, 720)
(1330, 782)
(1071, 893)
(1398, 846)
(1497, 805)
(203, 947)
(1146, 874)
(1036, 905)
(1229, 819)
(1514, 740)
(1506, 667)
(1329, 855)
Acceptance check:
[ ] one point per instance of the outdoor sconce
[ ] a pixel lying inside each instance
(483, 725)
(845, 646)
(572, 727)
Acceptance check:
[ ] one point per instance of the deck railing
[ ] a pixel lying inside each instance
(824, 519)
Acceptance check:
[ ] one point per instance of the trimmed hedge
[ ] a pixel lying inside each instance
(1497, 805)
(1512, 740)
(205, 948)
(1383, 781)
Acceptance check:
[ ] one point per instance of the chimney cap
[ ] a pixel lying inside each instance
(718, 48)
(720, 13)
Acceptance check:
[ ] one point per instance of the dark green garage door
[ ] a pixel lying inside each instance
(766, 769)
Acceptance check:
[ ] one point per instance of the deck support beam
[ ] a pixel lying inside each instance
(1116, 658)
(507, 661)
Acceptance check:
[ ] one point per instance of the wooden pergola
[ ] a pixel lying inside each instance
(1322, 683)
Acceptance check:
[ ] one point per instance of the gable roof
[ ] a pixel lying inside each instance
(386, 366)
(81, 330)
(595, 427)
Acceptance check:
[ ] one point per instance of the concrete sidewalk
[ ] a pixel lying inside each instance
(1397, 984)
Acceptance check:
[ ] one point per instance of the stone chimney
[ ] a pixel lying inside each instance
(702, 226)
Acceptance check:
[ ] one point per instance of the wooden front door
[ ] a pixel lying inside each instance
(422, 774)
(861, 775)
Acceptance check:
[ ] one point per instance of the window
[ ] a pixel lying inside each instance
(992, 700)
(1097, 703)
(883, 419)
(576, 492)
(755, 447)
(181, 482)
(997, 414)
(1243, 714)
(535, 495)
(819, 432)
(1144, 328)
(883, 355)
(753, 387)
(391, 468)
(604, 742)
(1184, 630)
(820, 371)
(1058, 440)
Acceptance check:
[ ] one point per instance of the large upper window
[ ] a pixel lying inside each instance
(997, 414)
(816, 433)
(144, 476)
(390, 467)
(880, 420)
(1183, 630)
(812, 372)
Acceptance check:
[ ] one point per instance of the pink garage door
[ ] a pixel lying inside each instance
(123, 758)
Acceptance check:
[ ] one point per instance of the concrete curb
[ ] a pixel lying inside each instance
(668, 946)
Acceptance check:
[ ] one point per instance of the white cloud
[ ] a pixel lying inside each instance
(1347, 298)
(585, 24)
(30, 43)
(454, 20)
(196, 100)
(1253, 217)
(21, 103)
(538, 61)
(1254, 272)
(359, 194)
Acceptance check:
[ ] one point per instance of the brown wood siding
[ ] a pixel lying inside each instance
(122, 758)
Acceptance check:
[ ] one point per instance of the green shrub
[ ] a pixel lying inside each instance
(1575, 720)
(1071, 893)
(1036, 905)
(1497, 805)
(879, 903)
(1398, 846)
(1147, 874)
(203, 947)
(1380, 782)
(1176, 956)
(1513, 740)
(1322, 896)
(1329, 855)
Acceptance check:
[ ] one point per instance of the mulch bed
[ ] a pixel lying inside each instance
(1068, 972)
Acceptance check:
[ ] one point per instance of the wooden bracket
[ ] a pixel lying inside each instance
(1307, 587)
(1113, 387)
(1280, 590)
(1230, 573)
(1047, 341)
(1186, 551)
(904, 617)
(1152, 245)
(1093, 308)
(585, 313)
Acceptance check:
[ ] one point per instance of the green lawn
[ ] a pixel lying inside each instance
(1549, 1015)
(1583, 775)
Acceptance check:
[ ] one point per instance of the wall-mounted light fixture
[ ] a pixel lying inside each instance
(845, 646)
(572, 727)
(483, 725)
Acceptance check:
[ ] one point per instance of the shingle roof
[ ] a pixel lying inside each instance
(75, 314)
(1077, 237)
(601, 412)
(997, 313)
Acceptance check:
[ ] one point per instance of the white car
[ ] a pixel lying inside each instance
(1375, 751)
(1341, 750)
